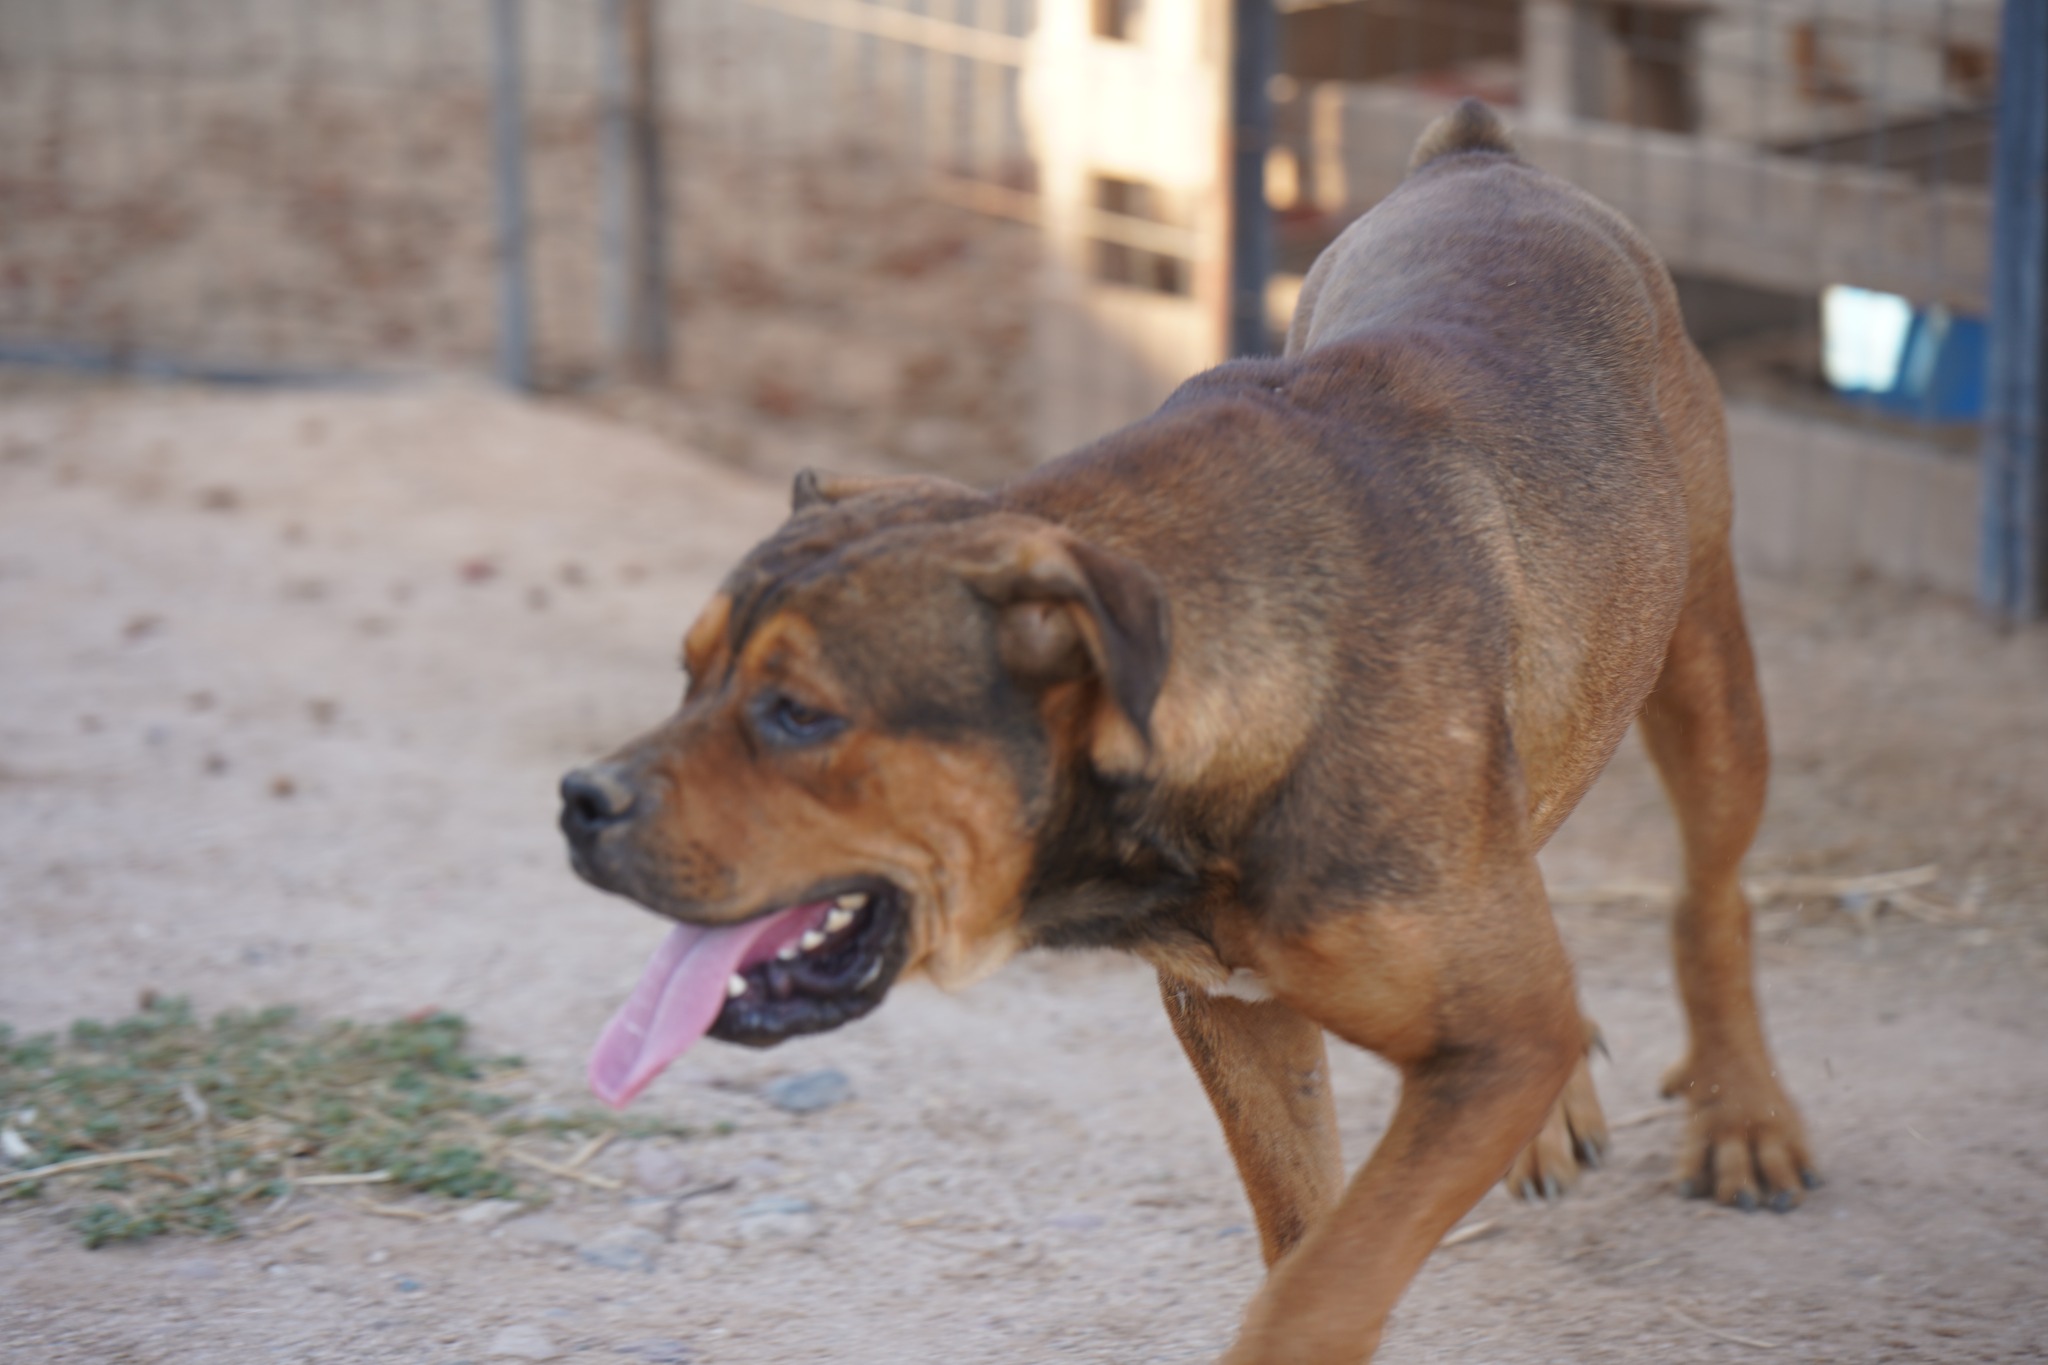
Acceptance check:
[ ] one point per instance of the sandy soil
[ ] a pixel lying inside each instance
(285, 683)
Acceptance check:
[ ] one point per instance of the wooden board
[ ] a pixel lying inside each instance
(1147, 113)
(1711, 207)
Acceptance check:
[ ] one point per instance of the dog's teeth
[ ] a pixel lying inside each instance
(812, 940)
(735, 986)
(852, 901)
(838, 919)
(788, 953)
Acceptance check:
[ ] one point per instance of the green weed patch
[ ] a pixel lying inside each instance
(237, 1110)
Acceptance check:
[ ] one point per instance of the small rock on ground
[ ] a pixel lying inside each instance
(623, 1248)
(656, 1215)
(543, 1229)
(523, 1342)
(810, 1092)
(488, 1213)
(777, 1216)
(659, 1171)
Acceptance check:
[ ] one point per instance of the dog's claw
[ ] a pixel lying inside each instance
(1552, 1191)
(1782, 1202)
(1811, 1179)
(1528, 1191)
(1692, 1187)
(1746, 1200)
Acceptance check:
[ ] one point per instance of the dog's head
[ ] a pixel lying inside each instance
(884, 700)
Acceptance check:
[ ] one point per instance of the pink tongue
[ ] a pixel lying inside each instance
(679, 996)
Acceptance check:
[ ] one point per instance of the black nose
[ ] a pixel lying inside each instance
(592, 800)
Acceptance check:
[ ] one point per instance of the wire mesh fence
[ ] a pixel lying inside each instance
(850, 268)
(963, 234)
(241, 187)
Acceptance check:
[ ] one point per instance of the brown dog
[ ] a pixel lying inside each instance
(1281, 689)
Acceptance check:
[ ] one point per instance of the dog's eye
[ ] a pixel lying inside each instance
(786, 720)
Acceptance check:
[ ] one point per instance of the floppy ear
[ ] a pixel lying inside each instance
(706, 638)
(815, 486)
(1073, 610)
(806, 491)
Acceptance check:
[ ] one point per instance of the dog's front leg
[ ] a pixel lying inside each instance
(1267, 1074)
(1460, 1121)
(1479, 1012)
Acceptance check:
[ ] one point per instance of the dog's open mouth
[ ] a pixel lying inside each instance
(804, 968)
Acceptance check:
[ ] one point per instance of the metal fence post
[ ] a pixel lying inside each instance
(635, 217)
(508, 148)
(1255, 41)
(2013, 581)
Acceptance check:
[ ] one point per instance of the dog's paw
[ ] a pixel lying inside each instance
(1744, 1144)
(1573, 1141)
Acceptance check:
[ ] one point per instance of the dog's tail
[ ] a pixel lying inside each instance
(1471, 127)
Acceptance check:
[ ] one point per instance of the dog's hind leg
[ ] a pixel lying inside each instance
(1704, 727)
(1265, 1070)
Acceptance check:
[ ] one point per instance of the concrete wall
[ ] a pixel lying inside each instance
(1823, 500)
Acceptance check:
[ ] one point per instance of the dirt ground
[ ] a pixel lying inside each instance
(285, 685)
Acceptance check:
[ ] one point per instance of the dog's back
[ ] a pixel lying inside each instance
(1489, 412)
(1579, 399)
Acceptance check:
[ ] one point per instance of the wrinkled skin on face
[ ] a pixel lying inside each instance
(883, 698)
